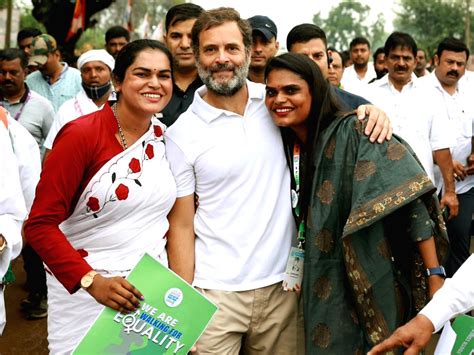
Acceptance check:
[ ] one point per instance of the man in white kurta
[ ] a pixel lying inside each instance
(96, 69)
(414, 117)
(12, 209)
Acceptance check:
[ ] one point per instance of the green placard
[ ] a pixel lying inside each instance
(170, 320)
(463, 326)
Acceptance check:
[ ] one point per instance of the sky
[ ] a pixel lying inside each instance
(287, 14)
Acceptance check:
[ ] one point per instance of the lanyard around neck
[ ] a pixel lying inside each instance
(18, 114)
(296, 195)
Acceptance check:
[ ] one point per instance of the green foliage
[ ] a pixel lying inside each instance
(378, 33)
(429, 21)
(27, 20)
(348, 20)
(94, 36)
(156, 10)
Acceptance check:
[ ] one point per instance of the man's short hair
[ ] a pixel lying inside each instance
(304, 33)
(359, 40)
(182, 12)
(27, 33)
(377, 53)
(402, 40)
(345, 57)
(452, 44)
(217, 17)
(334, 50)
(116, 32)
(424, 52)
(12, 54)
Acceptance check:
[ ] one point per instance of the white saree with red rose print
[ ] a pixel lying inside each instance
(120, 215)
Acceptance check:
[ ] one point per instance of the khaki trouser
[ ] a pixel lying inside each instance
(267, 320)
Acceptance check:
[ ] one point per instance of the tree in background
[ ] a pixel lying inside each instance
(429, 21)
(348, 20)
(57, 15)
(54, 17)
(151, 11)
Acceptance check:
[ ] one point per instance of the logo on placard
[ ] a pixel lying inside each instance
(173, 297)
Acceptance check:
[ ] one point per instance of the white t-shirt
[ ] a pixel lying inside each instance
(352, 82)
(414, 117)
(74, 108)
(236, 165)
(459, 110)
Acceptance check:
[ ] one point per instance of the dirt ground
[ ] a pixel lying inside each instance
(23, 336)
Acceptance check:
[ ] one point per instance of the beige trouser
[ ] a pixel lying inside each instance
(266, 320)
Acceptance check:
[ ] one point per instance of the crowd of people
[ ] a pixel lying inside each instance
(220, 157)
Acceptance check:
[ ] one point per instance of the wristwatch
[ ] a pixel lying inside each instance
(4, 244)
(436, 271)
(87, 279)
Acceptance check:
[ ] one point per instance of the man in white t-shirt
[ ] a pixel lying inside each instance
(226, 149)
(360, 73)
(96, 68)
(415, 117)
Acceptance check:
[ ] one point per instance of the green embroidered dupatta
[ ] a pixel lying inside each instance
(369, 205)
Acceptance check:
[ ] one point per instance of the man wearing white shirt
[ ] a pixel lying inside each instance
(96, 67)
(28, 161)
(12, 209)
(360, 73)
(454, 298)
(456, 97)
(414, 117)
(226, 149)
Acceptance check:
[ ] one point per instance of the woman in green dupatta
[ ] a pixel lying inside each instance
(371, 220)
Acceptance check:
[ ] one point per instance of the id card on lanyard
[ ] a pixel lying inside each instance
(294, 265)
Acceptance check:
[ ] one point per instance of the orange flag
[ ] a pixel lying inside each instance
(78, 20)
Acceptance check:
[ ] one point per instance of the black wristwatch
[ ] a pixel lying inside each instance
(436, 271)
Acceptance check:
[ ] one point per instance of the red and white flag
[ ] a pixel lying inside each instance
(78, 19)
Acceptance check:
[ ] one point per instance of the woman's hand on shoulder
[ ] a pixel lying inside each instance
(116, 293)
(378, 125)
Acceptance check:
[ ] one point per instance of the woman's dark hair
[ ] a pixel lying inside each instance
(324, 108)
(324, 105)
(129, 53)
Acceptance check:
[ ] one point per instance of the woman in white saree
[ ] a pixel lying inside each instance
(104, 194)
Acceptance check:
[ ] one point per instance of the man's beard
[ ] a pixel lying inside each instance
(228, 87)
(360, 65)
